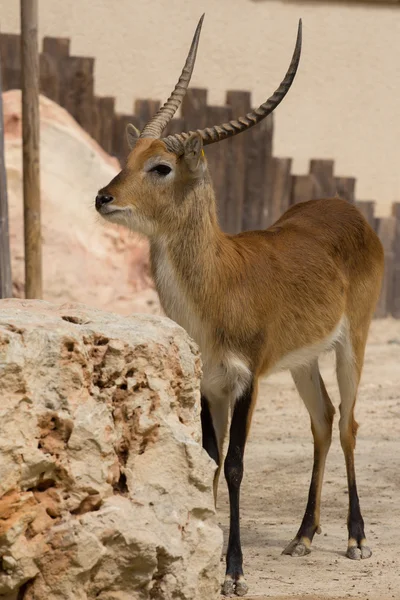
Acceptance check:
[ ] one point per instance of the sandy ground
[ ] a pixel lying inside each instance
(278, 465)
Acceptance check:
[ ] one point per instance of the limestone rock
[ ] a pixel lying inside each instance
(105, 491)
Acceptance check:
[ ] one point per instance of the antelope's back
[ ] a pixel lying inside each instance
(340, 229)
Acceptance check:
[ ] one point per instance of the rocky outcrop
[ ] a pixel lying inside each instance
(85, 259)
(106, 492)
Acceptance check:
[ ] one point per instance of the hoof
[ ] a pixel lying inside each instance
(297, 548)
(354, 553)
(241, 588)
(231, 587)
(358, 552)
(228, 588)
(366, 552)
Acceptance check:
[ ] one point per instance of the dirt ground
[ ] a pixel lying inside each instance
(278, 464)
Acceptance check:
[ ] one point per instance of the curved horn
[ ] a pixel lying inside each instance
(217, 133)
(157, 124)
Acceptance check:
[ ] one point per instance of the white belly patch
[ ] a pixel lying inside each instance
(306, 355)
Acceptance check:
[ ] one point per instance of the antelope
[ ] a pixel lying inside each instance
(256, 302)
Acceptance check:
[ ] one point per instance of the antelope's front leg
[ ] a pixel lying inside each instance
(235, 582)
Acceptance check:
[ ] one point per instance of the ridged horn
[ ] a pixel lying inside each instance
(157, 124)
(175, 143)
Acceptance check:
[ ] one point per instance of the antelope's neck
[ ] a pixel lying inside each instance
(186, 267)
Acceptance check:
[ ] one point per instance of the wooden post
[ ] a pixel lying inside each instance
(5, 260)
(30, 147)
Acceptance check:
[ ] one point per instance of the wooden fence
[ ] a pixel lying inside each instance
(253, 187)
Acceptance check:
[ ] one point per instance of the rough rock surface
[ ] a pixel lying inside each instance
(85, 259)
(105, 491)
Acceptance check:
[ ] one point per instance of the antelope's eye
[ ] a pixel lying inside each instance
(161, 170)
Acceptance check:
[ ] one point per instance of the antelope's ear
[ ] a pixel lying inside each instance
(193, 151)
(132, 135)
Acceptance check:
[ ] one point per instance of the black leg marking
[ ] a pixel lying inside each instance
(209, 438)
(357, 547)
(309, 523)
(301, 544)
(233, 467)
(355, 521)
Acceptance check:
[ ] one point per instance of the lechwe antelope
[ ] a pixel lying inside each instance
(254, 302)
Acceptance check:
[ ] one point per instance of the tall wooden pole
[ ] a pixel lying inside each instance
(5, 260)
(30, 143)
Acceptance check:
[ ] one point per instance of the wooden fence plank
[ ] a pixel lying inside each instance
(345, 188)
(269, 167)
(96, 120)
(256, 200)
(367, 208)
(120, 148)
(50, 78)
(219, 159)
(105, 120)
(386, 232)
(280, 184)
(144, 110)
(10, 50)
(175, 126)
(194, 109)
(50, 66)
(322, 171)
(76, 94)
(302, 188)
(395, 300)
(240, 105)
(56, 47)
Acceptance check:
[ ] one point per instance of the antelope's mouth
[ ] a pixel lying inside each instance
(112, 211)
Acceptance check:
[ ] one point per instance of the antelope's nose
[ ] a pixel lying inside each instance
(102, 199)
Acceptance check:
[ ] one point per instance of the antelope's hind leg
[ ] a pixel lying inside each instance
(314, 395)
(349, 362)
(210, 442)
(214, 423)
